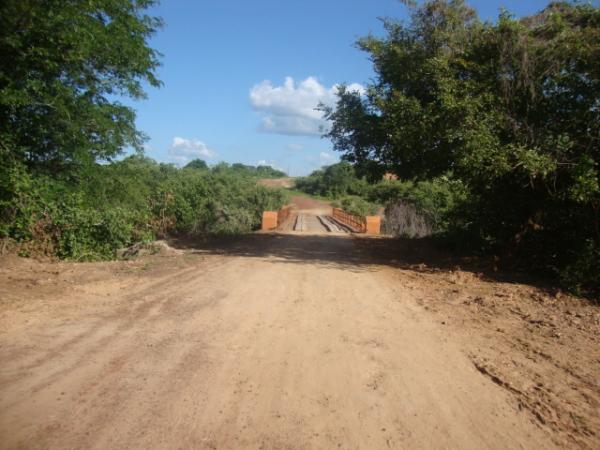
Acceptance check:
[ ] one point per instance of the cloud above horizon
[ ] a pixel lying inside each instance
(183, 150)
(290, 109)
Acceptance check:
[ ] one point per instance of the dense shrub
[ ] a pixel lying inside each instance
(510, 107)
(435, 200)
(48, 217)
(115, 205)
(432, 204)
(358, 206)
(403, 219)
(335, 181)
(65, 67)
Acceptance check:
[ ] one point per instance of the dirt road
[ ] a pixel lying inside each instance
(269, 341)
(305, 216)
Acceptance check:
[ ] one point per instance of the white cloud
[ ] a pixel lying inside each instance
(291, 108)
(182, 150)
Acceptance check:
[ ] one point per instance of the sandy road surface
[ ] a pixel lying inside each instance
(305, 216)
(309, 223)
(272, 341)
(250, 352)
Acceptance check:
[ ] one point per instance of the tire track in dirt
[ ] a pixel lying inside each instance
(261, 348)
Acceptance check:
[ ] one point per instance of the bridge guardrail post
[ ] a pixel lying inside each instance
(269, 220)
(373, 224)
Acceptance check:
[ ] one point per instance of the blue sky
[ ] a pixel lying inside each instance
(241, 78)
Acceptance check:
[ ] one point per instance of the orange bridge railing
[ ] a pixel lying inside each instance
(358, 224)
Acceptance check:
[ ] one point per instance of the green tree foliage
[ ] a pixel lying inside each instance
(511, 109)
(62, 64)
(198, 164)
(129, 201)
(358, 206)
(435, 200)
(258, 171)
(334, 181)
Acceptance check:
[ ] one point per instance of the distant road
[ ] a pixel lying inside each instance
(286, 182)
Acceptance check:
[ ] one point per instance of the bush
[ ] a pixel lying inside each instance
(419, 209)
(47, 217)
(335, 181)
(358, 206)
(434, 200)
(584, 269)
(403, 219)
(134, 200)
(510, 107)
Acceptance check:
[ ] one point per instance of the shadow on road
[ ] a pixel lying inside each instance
(347, 252)
(354, 253)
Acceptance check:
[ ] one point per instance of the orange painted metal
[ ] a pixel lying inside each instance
(273, 219)
(269, 220)
(356, 223)
(359, 224)
(283, 214)
(373, 224)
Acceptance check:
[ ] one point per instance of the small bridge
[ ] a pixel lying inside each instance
(328, 220)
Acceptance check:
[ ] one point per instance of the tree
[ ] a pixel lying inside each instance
(509, 108)
(334, 181)
(403, 123)
(199, 164)
(62, 64)
(453, 93)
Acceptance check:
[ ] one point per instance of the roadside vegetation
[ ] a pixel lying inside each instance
(509, 111)
(115, 205)
(430, 204)
(65, 188)
(492, 129)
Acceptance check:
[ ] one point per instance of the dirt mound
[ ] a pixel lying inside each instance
(143, 249)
